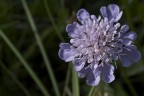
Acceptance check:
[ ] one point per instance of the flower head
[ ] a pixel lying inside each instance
(97, 42)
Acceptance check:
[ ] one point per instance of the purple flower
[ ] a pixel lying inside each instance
(98, 42)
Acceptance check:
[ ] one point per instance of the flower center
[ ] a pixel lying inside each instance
(96, 38)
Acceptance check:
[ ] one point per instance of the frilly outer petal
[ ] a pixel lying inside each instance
(93, 78)
(82, 15)
(130, 55)
(65, 52)
(107, 73)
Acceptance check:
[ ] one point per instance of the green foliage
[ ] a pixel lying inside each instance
(29, 44)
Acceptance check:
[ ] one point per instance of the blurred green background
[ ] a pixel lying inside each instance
(30, 34)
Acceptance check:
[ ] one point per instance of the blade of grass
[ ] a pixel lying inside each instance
(52, 20)
(68, 91)
(43, 52)
(97, 92)
(66, 81)
(14, 78)
(91, 91)
(75, 83)
(25, 64)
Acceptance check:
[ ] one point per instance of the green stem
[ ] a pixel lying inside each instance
(25, 64)
(45, 57)
(91, 91)
(15, 79)
(67, 80)
(75, 83)
(52, 20)
(68, 92)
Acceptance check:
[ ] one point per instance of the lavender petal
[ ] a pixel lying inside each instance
(131, 36)
(124, 28)
(107, 73)
(93, 79)
(125, 61)
(127, 42)
(103, 11)
(65, 52)
(82, 15)
(84, 71)
(118, 17)
(131, 55)
(114, 10)
(73, 29)
(78, 64)
(111, 12)
(70, 28)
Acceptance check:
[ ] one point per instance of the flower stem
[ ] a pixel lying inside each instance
(75, 83)
(91, 91)
(67, 80)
